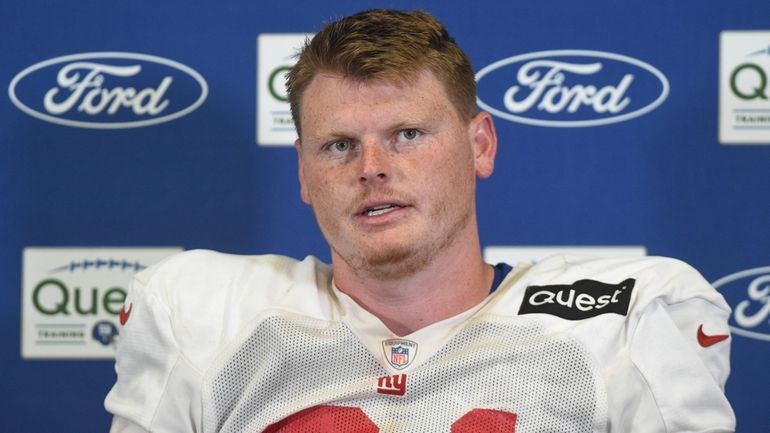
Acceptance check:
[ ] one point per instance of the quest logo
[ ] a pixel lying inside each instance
(275, 57)
(73, 298)
(748, 293)
(108, 90)
(570, 88)
(744, 92)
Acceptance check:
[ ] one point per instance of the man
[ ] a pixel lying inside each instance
(409, 330)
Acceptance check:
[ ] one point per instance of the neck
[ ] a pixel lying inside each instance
(454, 281)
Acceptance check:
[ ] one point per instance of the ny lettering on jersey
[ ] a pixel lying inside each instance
(579, 300)
(392, 385)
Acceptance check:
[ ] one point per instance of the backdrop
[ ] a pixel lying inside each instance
(132, 125)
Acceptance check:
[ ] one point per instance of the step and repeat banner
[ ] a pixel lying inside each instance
(133, 130)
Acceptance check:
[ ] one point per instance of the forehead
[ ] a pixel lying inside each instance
(333, 99)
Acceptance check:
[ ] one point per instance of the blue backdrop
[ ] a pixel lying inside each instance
(662, 179)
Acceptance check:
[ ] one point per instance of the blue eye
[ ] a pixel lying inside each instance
(340, 146)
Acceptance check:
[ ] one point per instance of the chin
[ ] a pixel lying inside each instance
(391, 262)
(395, 263)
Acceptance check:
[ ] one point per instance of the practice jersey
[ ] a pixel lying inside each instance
(223, 343)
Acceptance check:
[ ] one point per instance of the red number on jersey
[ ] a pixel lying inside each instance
(341, 419)
(485, 421)
(325, 419)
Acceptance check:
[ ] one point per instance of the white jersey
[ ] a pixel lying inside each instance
(222, 343)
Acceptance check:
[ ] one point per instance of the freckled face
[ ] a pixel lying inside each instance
(388, 169)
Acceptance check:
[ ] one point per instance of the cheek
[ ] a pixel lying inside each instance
(456, 168)
(322, 189)
(446, 181)
(322, 196)
(459, 180)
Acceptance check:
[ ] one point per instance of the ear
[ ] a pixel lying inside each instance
(484, 140)
(302, 188)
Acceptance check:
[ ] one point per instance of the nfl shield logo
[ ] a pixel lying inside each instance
(399, 356)
(399, 353)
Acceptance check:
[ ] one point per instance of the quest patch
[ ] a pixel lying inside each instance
(580, 300)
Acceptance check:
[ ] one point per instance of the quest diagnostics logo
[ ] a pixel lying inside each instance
(73, 298)
(570, 88)
(748, 293)
(275, 57)
(744, 89)
(108, 90)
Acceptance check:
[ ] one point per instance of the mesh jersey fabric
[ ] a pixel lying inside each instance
(221, 343)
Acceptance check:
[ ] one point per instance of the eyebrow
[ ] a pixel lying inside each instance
(342, 134)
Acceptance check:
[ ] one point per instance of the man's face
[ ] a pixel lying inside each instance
(389, 169)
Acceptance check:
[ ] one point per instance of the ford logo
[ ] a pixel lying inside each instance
(570, 88)
(748, 292)
(108, 90)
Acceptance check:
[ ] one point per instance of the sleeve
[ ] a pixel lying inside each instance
(156, 387)
(681, 348)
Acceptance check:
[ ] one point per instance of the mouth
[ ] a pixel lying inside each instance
(380, 209)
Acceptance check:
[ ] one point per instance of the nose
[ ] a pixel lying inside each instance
(375, 163)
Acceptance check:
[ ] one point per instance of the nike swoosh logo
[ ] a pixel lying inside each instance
(709, 340)
(125, 313)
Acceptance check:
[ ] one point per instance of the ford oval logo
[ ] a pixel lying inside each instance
(108, 90)
(570, 88)
(748, 292)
